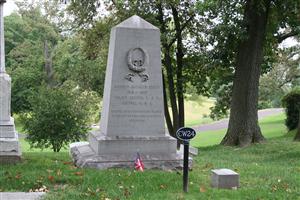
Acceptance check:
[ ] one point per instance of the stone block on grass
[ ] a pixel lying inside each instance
(225, 179)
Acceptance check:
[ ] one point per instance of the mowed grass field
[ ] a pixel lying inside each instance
(197, 112)
(271, 127)
(267, 171)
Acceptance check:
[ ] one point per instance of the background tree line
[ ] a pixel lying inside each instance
(219, 48)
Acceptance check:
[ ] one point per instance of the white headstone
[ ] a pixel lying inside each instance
(132, 119)
(9, 143)
(5, 85)
(2, 49)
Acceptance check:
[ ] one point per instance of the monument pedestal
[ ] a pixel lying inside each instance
(9, 143)
(104, 152)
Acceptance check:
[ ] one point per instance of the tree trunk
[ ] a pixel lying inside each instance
(48, 64)
(297, 136)
(179, 62)
(174, 71)
(170, 79)
(166, 108)
(243, 128)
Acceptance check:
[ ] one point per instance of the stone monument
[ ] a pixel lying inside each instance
(132, 118)
(9, 143)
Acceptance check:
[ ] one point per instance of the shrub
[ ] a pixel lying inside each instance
(59, 116)
(291, 103)
(222, 104)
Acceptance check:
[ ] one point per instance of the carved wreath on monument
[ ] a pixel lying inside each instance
(138, 61)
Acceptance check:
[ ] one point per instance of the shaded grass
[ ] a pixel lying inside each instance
(26, 147)
(18, 124)
(268, 171)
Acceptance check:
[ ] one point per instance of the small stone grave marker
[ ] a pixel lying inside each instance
(225, 178)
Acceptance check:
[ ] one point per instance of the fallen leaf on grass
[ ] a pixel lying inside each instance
(91, 192)
(78, 173)
(285, 186)
(59, 172)
(126, 193)
(18, 176)
(202, 189)
(208, 166)
(51, 179)
(274, 188)
(41, 189)
(72, 167)
(68, 163)
(288, 190)
(162, 186)
(99, 190)
(61, 187)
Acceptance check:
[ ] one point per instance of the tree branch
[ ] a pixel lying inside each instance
(284, 36)
(182, 28)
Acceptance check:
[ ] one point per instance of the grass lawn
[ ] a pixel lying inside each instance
(268, 171)
(197, 112)
(271, 127)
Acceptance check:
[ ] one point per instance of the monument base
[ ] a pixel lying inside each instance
(10, 159)
(7, 129)
(10, 151)
(103, 152)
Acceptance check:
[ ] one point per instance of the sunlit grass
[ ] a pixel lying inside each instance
(272, 126)
(198, 112)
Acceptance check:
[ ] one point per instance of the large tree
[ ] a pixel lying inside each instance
(244, 39)
(297, 137)
(243, 128)
(284, 75)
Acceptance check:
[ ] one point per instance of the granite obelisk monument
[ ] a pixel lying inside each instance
(9, 143)
(132, 118)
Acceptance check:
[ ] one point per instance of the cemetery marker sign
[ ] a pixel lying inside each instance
(185, 134)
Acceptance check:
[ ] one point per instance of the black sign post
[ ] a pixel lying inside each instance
(185, 134)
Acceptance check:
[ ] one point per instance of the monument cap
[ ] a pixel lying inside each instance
(136, 22)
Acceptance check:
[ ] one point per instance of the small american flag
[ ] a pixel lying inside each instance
(138, 163)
